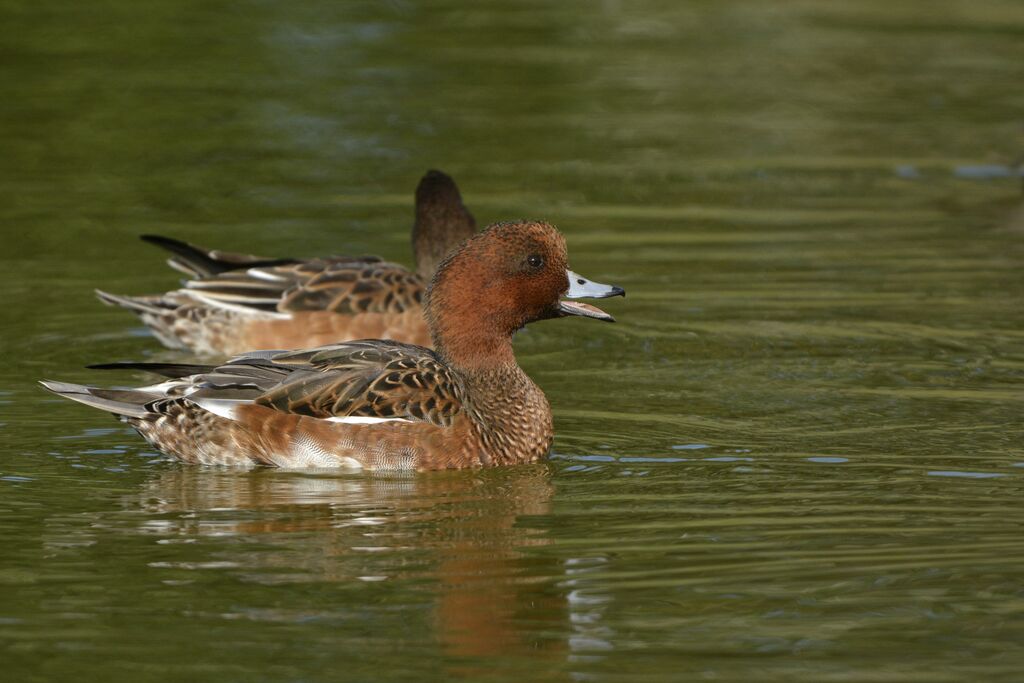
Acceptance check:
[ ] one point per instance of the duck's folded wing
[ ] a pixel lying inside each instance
(364, 380)
(338, 285)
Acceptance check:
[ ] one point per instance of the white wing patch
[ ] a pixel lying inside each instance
(264, 275)
(165, 388)
(226, 408)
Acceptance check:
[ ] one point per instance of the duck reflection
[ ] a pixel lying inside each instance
(464, 535)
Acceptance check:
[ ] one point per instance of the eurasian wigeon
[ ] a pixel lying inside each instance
(234, 303)
(374, 404)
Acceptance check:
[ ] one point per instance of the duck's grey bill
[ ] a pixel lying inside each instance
(582, 288)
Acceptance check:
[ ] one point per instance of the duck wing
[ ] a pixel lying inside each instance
(335, 284)
(362, 381)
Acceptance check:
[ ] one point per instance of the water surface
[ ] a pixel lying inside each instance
(797, 457)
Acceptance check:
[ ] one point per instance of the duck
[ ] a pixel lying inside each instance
(234, 302)
(380, 405)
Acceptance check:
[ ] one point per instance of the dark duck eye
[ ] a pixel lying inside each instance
(535, 261)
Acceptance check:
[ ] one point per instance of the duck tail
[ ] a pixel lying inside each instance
(199, 262)
(442, 221)
(152, 305)
(157, 312)
(170, 370)
(188, 258)
(121, 402)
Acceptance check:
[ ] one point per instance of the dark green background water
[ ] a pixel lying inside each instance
(797, 457)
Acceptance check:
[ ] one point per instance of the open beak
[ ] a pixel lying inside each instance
(580, 288)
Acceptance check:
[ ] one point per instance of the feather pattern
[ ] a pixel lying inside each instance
(372, 404)
(370, 379)
(337, 285)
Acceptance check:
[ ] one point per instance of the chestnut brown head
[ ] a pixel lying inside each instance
(509, 275)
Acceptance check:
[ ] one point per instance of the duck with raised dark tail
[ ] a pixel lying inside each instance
(232, 303)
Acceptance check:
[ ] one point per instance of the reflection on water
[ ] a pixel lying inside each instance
(797, 456)
(462, 528)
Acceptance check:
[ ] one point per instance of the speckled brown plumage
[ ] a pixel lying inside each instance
(233, 302)
(376, 404)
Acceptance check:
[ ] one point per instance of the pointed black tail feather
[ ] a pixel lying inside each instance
(172, 370)
(190, 259)
(199, 262)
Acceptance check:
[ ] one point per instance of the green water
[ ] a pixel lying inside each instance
(797, 457)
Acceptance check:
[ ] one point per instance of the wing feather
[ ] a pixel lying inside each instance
(364, 379)
(336, 284)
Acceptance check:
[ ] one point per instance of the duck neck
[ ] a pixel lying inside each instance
(470, 323)
(475, 350)
(510, 414)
